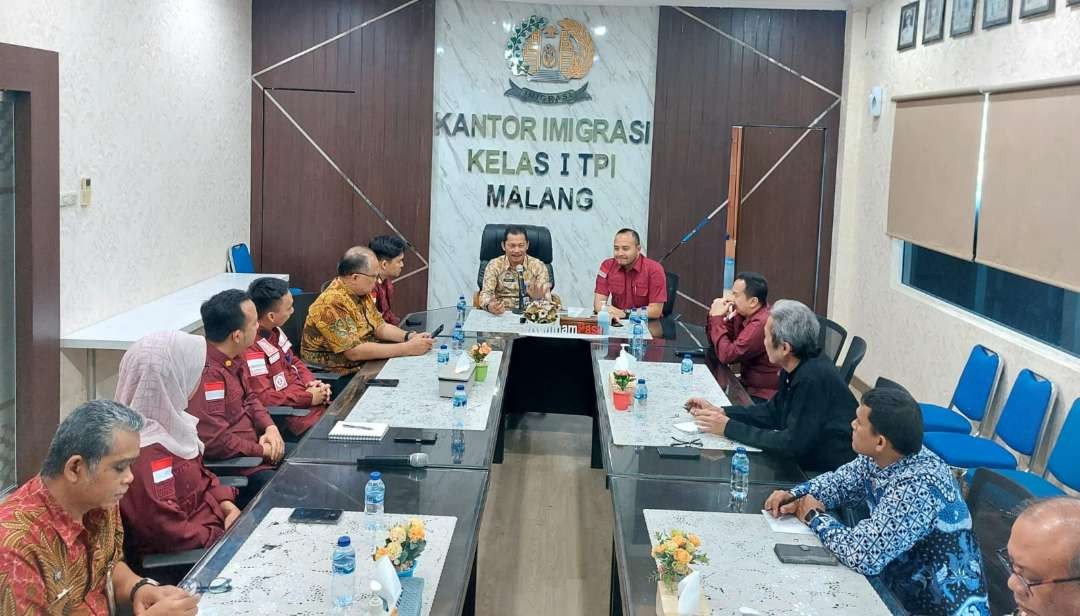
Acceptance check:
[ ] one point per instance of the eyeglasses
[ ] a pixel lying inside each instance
(1006, 561)
(677, 442)
(374, 276)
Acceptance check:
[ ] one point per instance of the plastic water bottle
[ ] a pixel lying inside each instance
(641, 395)
(461, 305)
(740, 475)
(457, 340)
(457, 445)
(603, 319)
(638, 331)
(374, 497)
(461, 400)
(342, 573)
(444, 355)
(686, 371)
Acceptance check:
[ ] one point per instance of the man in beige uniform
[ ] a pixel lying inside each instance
(502, 288)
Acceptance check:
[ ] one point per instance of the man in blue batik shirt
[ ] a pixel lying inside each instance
(918, 536)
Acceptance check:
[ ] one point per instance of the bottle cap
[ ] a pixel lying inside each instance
(461, 388)
(641, 381)
(344, 541)
(376, 475)
(442, 346)
(740, 450)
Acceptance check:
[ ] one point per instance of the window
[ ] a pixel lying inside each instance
(1045, 312)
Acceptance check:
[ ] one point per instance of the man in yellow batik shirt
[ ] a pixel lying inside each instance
(502, 287)
(344, 327)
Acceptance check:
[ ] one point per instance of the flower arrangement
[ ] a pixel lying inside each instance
(404, 544)
(674, 552)
(623, 379)
(479, 352)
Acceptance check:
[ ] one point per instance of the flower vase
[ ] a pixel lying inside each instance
(407, 573)
(480, 372)
(621, 399)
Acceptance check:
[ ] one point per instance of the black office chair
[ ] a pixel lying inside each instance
(491, 247)
(855, 353)
(831, 338)
(672, 292)
(994, 501)
(888, 384)
(294, 329)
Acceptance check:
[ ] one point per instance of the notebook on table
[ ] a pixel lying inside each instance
(358, 431)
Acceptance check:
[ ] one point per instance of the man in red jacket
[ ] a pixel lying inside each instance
(737, 332)
(275, 373)
(390, 252)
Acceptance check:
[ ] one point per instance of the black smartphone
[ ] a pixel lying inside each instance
(412, 321)
(438, 330)
(682, 453)
(305, 515)
(791, 554)
(414, 435)
(382, 383)
(615, 322)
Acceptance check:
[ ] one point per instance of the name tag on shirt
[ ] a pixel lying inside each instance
(162, 469)
(256, 364)
(284, 341)
(280, 382)
(215, 390)
(273, 358)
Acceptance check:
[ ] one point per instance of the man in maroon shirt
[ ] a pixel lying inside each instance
(737, 332)
(232, 421)
(631, 279)
(390, 252)
(275, 373)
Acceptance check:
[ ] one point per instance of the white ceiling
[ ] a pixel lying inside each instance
(739, 4)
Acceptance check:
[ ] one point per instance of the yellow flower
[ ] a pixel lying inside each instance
(694, 539)
(416, 533)
(659, 549)
(681, 569)
(689, 547)
(394, 551)
(670, 547)
(682, 556)
(397, 533)
(680, 540)
(677, 533)
(416, 522)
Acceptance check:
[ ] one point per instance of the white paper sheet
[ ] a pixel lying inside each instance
(786, 524)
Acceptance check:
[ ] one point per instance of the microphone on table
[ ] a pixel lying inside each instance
(413, 460)
(520, 269)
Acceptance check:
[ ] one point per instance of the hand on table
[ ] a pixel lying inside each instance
(697, 405)
(805, 505)
(616, 313)
(419, 344)
(495, 307)
(164, 601)
(777, 504)
(711, 422)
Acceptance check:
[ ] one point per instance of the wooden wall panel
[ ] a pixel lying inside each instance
(705, 83)
(366, 100)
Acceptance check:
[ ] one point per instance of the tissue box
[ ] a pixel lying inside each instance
(667, 603)
(449, 380)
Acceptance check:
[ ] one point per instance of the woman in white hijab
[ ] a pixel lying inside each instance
(175, 503)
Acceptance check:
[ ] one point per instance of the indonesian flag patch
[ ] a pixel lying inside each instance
(215, 391)
(256, 364)
(162, 469)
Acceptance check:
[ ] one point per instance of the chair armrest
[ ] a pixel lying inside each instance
(326, 377)
(234, 481)
(173, 559)
(233, 463)
(287, 411)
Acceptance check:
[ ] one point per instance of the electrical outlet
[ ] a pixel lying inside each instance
(69, 199)
(84, 192)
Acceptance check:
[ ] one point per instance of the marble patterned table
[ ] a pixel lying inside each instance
(284, 568)
(415, 402)
(744, 571)
(509, 323)
(668, 391)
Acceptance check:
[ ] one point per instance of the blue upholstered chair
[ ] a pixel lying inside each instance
(240, 262)
(1063, 464)
(1017, 429)
(972, 396)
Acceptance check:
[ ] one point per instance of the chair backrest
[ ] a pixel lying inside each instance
(491, 246)
(831, 338)
(294, 327)
(672, 291)
(855, 353)
(1025, 411)
(888, 384)
(975, 389)
(240, 259)
(994, 501)
(1064, 462)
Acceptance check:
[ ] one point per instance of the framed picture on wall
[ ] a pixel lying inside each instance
(963, 18)
(996, 13)
(1031, 8)
(909, 20)
(933, 27)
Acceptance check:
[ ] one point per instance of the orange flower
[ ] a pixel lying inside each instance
(679, 540)
(658, 549)
(694, 539)
(416, 533)
(682, 556)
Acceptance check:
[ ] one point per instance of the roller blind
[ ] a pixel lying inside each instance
(1029, 220)
(935, 159)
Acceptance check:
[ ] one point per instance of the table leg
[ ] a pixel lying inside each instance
(597, 457)
(91, 374)
(500, 439)
(469, 607)
(616, 591)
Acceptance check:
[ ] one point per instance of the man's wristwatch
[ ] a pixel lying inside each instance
(140, 584)
(408, 335)
(813, 513)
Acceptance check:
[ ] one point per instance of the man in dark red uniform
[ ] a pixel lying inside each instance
(232, 421)
(390, 252)
(275, 373)
(631, 279)
(737, 333)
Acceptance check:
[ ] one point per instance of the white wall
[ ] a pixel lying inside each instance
(912, 337)
(155, 107)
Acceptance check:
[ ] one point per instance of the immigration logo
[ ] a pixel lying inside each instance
(549, 53)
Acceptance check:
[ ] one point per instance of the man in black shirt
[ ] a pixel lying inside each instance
(810, 417)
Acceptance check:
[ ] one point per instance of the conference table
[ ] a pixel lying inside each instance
(537, 369)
